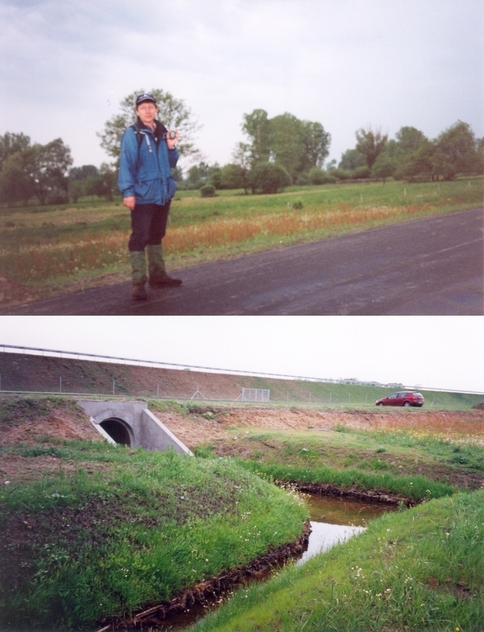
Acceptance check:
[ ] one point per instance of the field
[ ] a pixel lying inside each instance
(53, 250)
(93, 533)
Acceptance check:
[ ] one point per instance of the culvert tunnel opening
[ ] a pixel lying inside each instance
(117, 430)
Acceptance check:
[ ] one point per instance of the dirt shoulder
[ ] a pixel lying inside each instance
(46, 423)
(208, 423)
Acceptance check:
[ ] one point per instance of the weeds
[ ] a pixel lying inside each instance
(59, 245)
(417, 570)
(82, 547)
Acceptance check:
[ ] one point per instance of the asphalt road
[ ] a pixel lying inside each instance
(431, 266)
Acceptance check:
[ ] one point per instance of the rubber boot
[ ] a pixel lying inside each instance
(138, 275)
(157, 270)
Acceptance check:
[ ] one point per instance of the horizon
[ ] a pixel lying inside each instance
(92, 357)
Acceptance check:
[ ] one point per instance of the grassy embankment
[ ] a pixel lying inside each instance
(118, 532)
(85, 243)
(422, 569)
(418, 569)
(118, 529)
(334, 395)
(419, 460)
(43, 374)
(106, 543)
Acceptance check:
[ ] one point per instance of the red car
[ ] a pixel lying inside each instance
(402, 398)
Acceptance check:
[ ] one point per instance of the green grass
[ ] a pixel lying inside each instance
(116, 529)
(422, 569)
(417, 465)
(415, 488)
(129, 528)
(50, 247)
(333, 395)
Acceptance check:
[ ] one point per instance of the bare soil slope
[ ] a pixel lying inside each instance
(47, 422)
(208, 423)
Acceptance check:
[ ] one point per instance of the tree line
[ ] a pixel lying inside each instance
(277, 152)
(274, 157)
(45, 173)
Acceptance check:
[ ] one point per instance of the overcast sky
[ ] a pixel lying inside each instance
(348, 64)
(438, 352)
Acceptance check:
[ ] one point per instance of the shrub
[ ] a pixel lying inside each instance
(341, 174)
(208, 190)
(269, 178)
(362, 172)
(317, 176)
(57, 196)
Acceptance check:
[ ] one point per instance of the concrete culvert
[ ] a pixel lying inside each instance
(117, 430)
(131, 424)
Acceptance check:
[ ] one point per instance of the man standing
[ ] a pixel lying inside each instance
(148, 152)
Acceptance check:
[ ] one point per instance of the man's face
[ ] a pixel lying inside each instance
(147, 112)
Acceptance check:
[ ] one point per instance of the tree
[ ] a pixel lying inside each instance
(15, 183)
(287, 144)
(216, 176)
(317, 176)
(241, 157)
(316, 145)
(371, 144)
(295, 145)
(198, 175)
(480, 156)
(455, 152)
(40, 170)
(81, 173)
(351, 160)
(173, 113)
(232, 177)
(409, 139)
(269, 178)
(418, 163)
(11, 144)
(383, 167)
(48, 167)
(257, 127)
(105, 182)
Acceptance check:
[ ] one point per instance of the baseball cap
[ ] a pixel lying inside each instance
(146, 96)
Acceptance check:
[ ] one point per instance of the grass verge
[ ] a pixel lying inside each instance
(128, 529)
(417, 461)
(53, 248)
(422, 569)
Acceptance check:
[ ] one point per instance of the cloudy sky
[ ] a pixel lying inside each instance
(348, 64)
(443, 352)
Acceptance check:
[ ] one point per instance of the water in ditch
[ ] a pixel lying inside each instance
(333, 520)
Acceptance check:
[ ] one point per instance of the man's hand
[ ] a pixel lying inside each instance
(129, 202)
(171, 142)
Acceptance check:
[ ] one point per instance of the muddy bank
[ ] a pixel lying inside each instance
(373, 496)
(208, 592)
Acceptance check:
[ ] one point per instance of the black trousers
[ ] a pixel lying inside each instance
(148, 225)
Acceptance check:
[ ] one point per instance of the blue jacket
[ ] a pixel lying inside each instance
(145, 170)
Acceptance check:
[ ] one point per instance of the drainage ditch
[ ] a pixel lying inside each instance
(333, 519)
